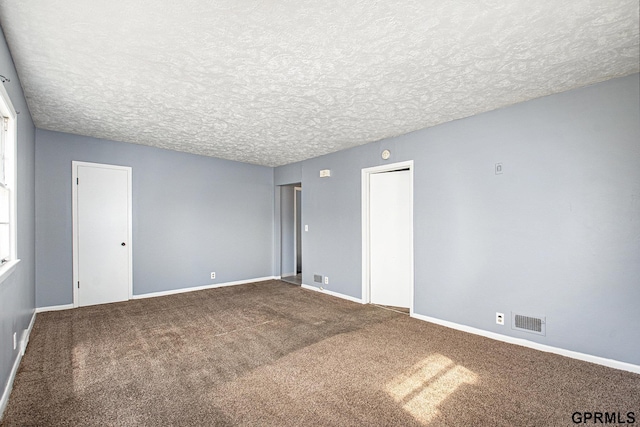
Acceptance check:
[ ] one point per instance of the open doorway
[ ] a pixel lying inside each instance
(291, 233)
(297, 203)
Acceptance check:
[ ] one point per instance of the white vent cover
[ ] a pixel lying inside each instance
(532, 324)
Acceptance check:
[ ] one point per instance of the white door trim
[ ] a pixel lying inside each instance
(295, 228)
(74, 201)
(366, 279)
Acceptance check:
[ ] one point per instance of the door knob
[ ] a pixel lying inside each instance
(123, 244)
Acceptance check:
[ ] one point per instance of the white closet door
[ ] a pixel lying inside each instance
(390, 238)
(103, 234)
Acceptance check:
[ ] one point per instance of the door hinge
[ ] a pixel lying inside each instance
(77, 181)
(78, 284)
(5, 120)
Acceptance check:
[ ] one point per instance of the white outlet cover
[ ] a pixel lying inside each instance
(213, 275)
(500, 318)
(326, 280)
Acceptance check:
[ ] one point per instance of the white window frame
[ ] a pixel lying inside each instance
(7, 110)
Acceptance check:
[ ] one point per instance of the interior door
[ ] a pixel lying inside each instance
(103, 234)
(390, 238)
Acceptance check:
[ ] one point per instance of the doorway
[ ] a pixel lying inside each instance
(102, 255)
(297, 229)
(387, 235)
(291, 233)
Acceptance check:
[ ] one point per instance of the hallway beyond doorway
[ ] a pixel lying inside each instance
(294, 280)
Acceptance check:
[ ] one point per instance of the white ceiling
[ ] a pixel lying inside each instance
(276, 81)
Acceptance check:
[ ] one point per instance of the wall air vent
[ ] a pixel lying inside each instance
(533, 324)
(317, 278)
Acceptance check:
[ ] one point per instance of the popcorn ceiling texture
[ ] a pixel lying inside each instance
(274, 82)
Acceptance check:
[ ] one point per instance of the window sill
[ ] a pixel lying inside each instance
(7, 269)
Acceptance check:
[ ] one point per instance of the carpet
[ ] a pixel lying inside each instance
(274, 354)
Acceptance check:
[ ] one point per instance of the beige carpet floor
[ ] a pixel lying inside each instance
(273, 354)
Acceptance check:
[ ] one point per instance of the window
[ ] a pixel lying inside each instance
(7, 179)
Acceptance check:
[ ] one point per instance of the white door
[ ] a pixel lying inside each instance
(390, 237)
(103, 243)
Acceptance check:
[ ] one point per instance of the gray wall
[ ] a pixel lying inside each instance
(288, 174)
(17, 293)
(191, 215)
(557, 234)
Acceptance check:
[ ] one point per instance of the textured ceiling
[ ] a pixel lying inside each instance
(276, 81)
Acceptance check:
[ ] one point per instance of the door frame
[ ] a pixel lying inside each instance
(366, 267)
(74, 206)
(295, 228)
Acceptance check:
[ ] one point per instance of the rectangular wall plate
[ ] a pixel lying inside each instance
(526, 323)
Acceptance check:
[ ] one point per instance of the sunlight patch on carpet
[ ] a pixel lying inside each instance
(427, 384)
(81, 375)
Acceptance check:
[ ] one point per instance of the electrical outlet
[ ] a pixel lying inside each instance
(15, 340)
(326, 280)
(213, 274)
(500, 318)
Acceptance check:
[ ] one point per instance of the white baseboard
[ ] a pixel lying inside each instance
(54, 308)
(26, 334)
(164, 293)
(333, 294)
(12, 376)
(201, 288)
(611, 363)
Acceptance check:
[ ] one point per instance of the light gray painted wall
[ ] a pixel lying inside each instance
(191, 215)
(288, 174)
(17, 292)
(557, 234)
(286, 230)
